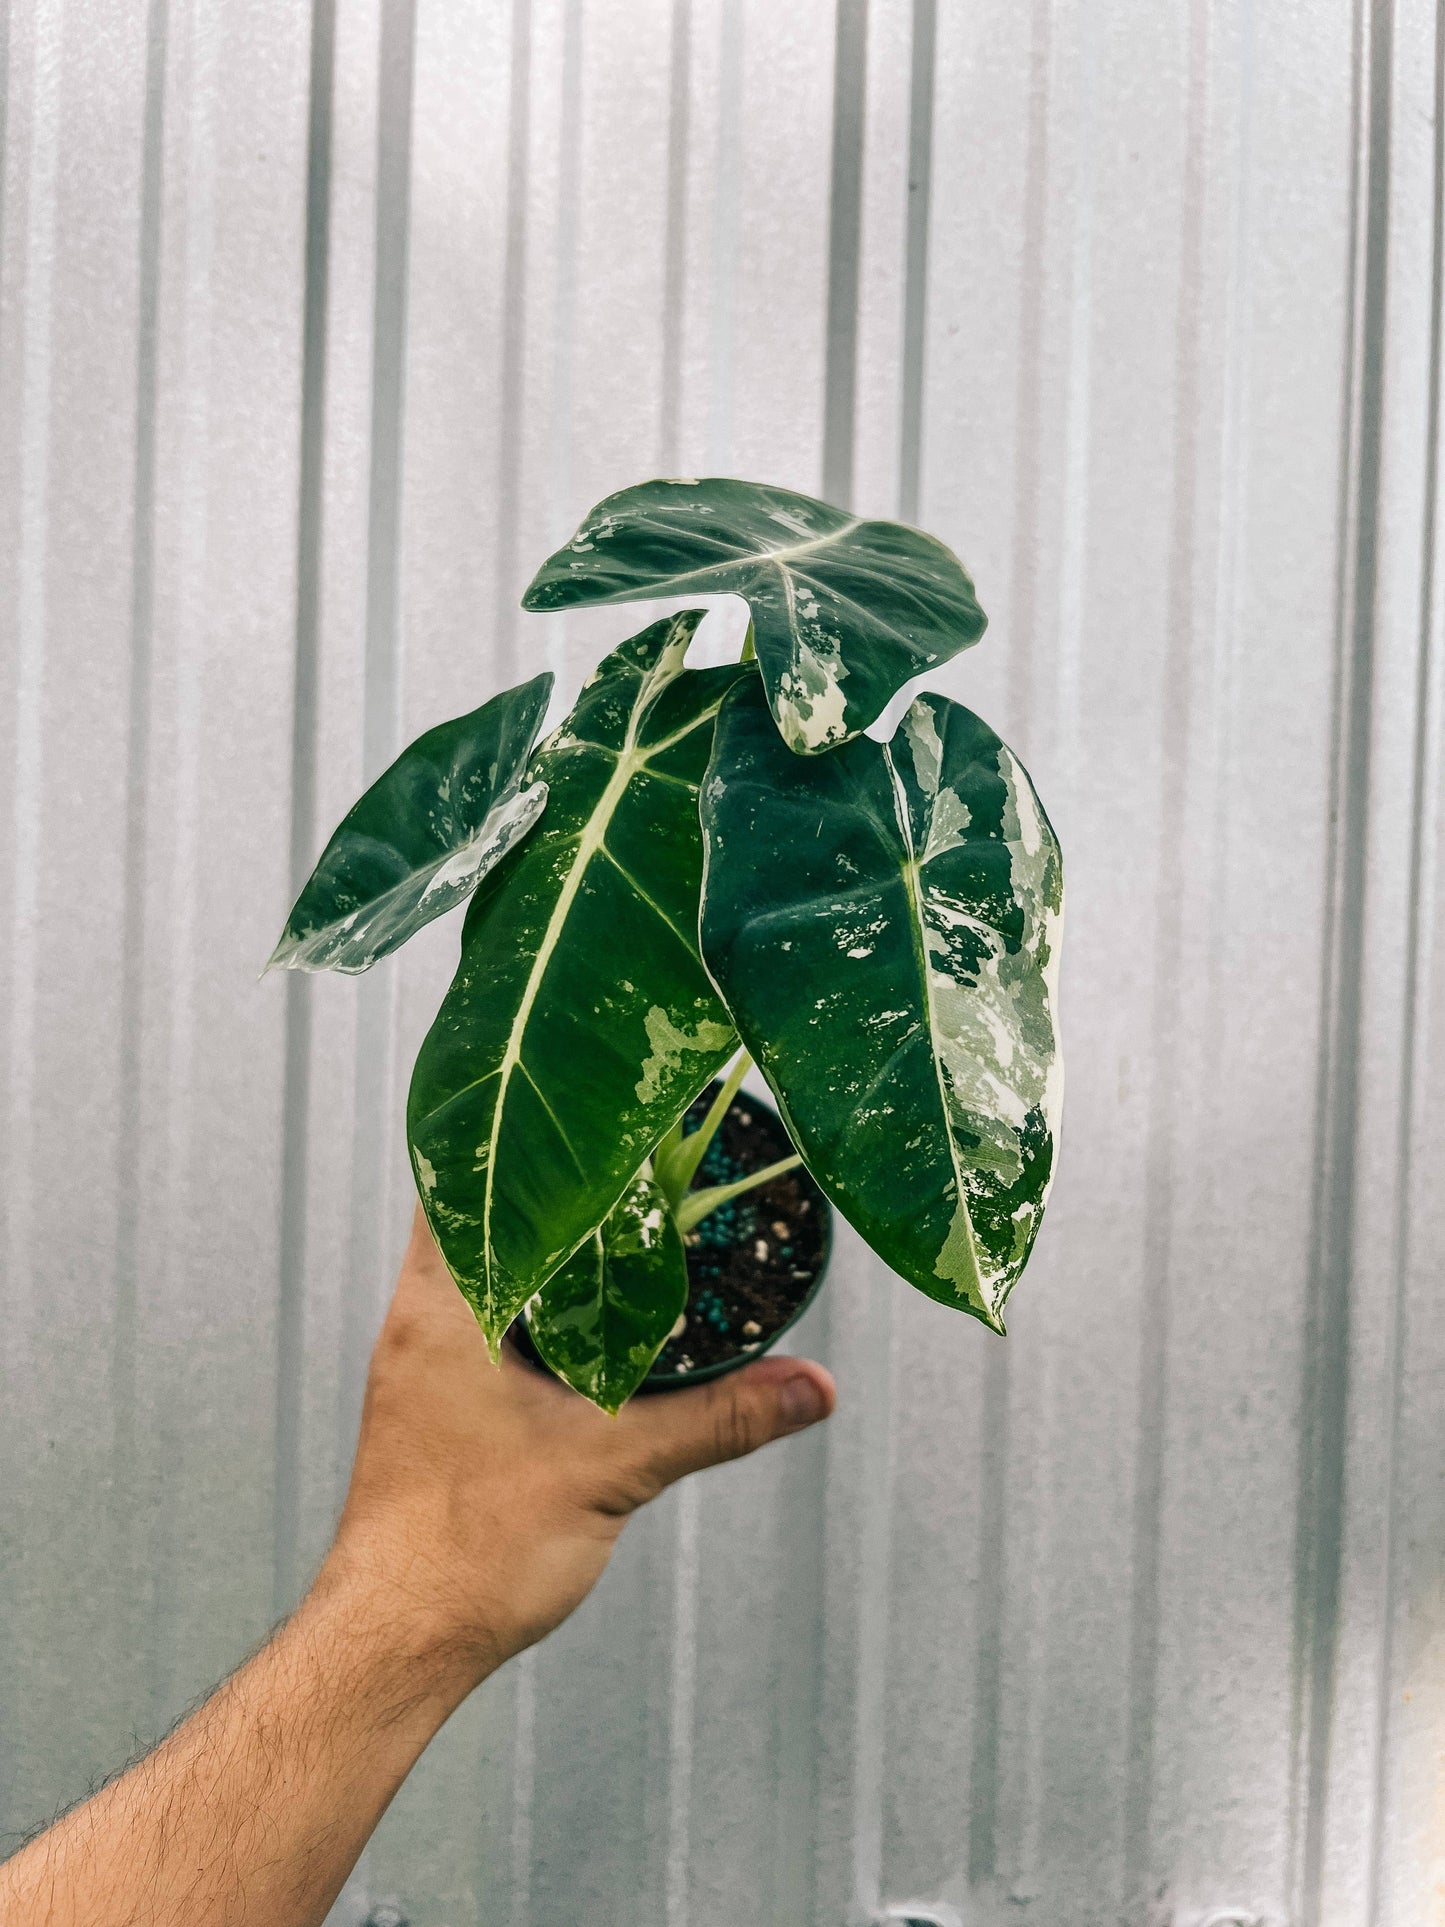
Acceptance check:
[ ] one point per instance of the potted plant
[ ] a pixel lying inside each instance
(698, 860)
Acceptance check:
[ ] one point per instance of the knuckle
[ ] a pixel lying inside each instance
(738, 1426)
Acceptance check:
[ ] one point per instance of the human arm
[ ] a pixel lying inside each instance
(483, 1506)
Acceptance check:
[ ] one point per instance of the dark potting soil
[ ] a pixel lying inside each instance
(752, 1262)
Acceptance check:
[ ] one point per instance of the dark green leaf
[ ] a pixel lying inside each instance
(422, 838)
(884, 925)
(844, 611)
(601, 1320)
(581, 1022)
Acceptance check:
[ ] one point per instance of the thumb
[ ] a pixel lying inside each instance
(673, 1433)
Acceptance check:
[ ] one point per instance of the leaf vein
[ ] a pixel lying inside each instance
(690, 945)
(557, 1123)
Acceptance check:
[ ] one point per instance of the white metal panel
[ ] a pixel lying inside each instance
(316, 332)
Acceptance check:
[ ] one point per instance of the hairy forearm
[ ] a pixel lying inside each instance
(253, 1812)
(483, 1505)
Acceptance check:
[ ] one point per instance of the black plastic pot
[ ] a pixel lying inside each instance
(754, 1264)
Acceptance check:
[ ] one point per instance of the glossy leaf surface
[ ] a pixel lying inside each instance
(422, 837)
(884, 924)
(581, 1022)
(844, 611)
(602, 1318)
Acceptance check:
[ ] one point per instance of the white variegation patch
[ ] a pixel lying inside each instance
(811, 706)
(992, 1025)
(927, 746)
(668, 1044)
(1031, 844)
(352, 944)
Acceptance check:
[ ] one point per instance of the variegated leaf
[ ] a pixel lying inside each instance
(601, 1320)
(580, 1023)
(422, 838)
(844, 610)
(884, 925)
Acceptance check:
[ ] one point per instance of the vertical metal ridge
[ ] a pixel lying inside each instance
(922, 61)
(1234, 467)
(1326, 1378)
(128, 1555)
(514, 312)
(1419, 944)
(686, 1560)
(867, 1636)
(983, 1776)
(568, 135)
(565, 510)
(373, 1126)
(524, 1783)
(373, 1135)
(682, 1704)
(876, 1389)
(195, 40)
(296, 1087)
(995, 1416)
(30, 622)
(675, 235)
(1078, 197)
(1167, 1016)
(1074, 508)
(726, 213)
(845, 216)
(4, 123)
(1022, 643)
(31, 599)
(388, 385)
(797, 1842)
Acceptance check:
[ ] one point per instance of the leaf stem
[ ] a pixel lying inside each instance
(697, 1204)
(676, 1159)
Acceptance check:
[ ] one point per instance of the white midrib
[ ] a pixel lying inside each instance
(629, 761)
(681, 584)
(912, 885)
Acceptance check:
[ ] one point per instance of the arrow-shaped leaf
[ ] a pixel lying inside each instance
(844, 611)
(580, 1023)
(602, 1319)
(884, 925)
(422, 838)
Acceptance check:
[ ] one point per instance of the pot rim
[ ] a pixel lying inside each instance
(720, 1367)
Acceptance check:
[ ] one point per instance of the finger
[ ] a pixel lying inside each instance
(675, 1433)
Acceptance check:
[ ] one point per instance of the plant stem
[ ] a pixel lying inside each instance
(677, 1158)
(697, 1204)
(664, 1154)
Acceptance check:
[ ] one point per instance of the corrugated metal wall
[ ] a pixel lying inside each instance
(317, 330)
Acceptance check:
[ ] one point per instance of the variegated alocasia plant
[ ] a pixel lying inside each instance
(703, 859)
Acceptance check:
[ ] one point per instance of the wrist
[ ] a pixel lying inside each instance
(395, 1613)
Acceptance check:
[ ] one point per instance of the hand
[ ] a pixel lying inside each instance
(484, 1502)
(486, 1499)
